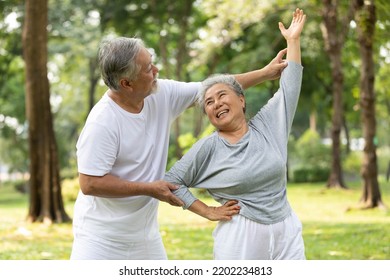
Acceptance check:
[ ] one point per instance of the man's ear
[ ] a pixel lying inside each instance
(125, 83)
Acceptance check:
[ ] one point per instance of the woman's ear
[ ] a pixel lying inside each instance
(242, 99)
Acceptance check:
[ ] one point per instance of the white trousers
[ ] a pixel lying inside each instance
(86, 247)
(244, 239)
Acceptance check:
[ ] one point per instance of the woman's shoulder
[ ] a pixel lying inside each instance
(203, 147)
(207, 141)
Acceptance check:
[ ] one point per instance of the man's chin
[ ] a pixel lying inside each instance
(154, 88)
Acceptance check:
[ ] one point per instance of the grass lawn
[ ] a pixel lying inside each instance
(332, 227)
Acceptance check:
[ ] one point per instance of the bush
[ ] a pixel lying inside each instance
(22, 186)
(309, 158)
(311, 152)
(383, 155)
(70, 189)
(311, 174)
(353, 162)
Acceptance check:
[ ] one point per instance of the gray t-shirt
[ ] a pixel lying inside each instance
(253, 170)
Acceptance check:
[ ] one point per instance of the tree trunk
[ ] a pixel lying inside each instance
(334, 32)
(94, 77)
(348, 138)
(366, 19)
(46, 203)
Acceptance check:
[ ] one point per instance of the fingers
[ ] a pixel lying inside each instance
(281, 64)
(299, 16)
(226, 211)
(231, 202)
(303, 18)
(280, 54)
(228, 216)
(172, 187)
(230, 208)
(281, 27)
(175, 201)
(163, 191)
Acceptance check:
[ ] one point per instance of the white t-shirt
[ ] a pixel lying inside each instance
(133, 147)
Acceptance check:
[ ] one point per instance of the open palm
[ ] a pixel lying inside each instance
(296, 26)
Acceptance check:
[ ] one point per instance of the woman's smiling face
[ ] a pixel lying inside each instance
(223, 106)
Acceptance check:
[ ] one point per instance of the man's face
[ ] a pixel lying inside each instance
(146, 81)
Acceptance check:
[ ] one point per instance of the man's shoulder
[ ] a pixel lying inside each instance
(169, 85)
(104, 116)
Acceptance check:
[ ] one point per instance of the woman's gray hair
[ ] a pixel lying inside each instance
(117, 60)
(226, 79)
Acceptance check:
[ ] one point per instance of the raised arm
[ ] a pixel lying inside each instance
(293, 34)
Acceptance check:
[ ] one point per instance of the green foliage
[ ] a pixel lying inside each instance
(186, 141)
(207, 131)
(311, 174)
(352, 163)
(309, 158)
(383, 155)
(14, 151)
(12, 100)
(70, 189)
(171, 157)
(21, 186)
(311, 152)
(13, 127)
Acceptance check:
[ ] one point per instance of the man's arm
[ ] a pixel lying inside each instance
(271, 71)
(102, 186)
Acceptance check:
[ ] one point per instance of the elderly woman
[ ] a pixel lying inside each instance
(243, 164)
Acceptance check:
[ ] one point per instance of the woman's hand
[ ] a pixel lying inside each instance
(296, 26)
(224, 212)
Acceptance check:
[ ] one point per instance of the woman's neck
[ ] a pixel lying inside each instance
(233, 136)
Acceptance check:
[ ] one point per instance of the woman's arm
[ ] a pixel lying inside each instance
(184, 173)
(293, 34)
(221, 213)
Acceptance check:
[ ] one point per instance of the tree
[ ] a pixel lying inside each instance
(46, 203)
(334, 32)
(366, 20)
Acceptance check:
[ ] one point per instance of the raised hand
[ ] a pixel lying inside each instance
(296, 26)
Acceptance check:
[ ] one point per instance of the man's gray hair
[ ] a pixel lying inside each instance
(226, 79)
(117, 60)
